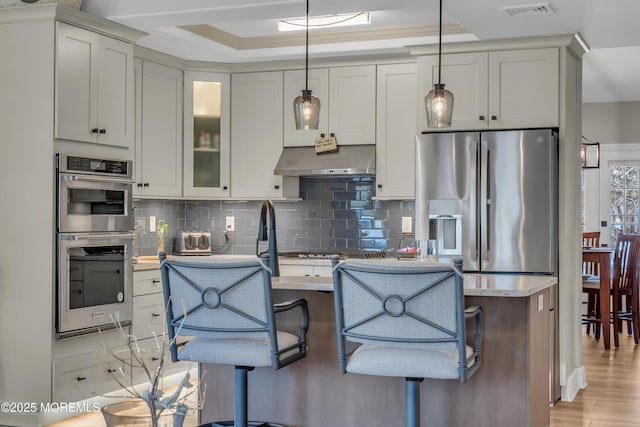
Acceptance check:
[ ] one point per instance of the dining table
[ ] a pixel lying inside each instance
(602, 256)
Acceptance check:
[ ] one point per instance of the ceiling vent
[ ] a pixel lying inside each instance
(528, 9)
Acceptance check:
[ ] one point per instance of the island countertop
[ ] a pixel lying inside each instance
(495, 285)
(475, 284)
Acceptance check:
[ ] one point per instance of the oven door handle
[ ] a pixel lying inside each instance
(102, 236)
(72, 177)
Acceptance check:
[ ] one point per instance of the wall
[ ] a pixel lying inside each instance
(616, 126)
(335, 213)
(611, 122)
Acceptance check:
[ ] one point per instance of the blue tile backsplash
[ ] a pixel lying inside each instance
(334, 213)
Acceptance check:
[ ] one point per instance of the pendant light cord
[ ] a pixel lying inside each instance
(306, 56)
(439, 43)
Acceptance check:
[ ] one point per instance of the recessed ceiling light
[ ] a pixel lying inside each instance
(342, 20)
(528, 9)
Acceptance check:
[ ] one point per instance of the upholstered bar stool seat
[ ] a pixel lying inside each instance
(225, 308)
(404, 319)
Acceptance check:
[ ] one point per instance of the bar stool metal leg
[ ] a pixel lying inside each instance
(412, 397)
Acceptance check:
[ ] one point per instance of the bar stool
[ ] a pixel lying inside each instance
(226, 307)
(406, 319)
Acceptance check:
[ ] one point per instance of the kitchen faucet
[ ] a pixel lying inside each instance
(268, 233)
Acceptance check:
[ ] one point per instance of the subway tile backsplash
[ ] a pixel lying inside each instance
(334, 213)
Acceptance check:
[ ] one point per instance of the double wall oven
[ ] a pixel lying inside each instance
(94, 244)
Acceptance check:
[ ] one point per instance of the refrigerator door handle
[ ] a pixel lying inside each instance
(485, 202)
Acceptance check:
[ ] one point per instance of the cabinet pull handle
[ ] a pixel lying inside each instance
(139, 185)
(95, 130)
(154, 358)
(277, 187)
(224, 187)
(494, 117)
(146, 184)
(155, 315)
(111, 371)
(379, 185)
(154, 281)
(81, 378)
(481, 118)
(103, 131)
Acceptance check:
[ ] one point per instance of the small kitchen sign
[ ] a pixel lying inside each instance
(326, 144)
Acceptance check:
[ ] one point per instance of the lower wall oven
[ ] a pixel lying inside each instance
(95, 275)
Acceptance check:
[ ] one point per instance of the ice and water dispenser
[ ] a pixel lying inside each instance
(445, 227)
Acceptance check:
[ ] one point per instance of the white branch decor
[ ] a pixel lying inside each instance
(152, 395)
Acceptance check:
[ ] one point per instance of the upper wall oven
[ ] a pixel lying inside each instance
(94, 195)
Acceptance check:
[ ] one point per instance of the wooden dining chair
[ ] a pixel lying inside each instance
(591, 239)
(590, 270)
(624, 283)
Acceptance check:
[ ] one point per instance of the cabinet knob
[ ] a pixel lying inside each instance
(224, 187)
(481, 118)
(494, 117)
(103, 131)
(277, 187)
(111, 371)
(95, 130)
(146, 184)
(379, 185)
(139, 185)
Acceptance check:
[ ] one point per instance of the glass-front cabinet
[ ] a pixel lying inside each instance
(206, 134)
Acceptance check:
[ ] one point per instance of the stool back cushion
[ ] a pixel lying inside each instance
(218, 298)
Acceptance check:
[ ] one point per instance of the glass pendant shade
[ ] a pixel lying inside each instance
(438, 104)
(306, 110)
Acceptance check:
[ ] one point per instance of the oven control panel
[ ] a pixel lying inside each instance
(111, 167)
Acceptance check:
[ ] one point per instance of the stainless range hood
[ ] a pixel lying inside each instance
(348, 160)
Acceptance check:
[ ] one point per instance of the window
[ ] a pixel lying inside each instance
(624, 190)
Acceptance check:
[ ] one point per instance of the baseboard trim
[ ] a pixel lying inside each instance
(575, 382)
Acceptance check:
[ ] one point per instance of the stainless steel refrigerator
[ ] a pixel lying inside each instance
(490, 197)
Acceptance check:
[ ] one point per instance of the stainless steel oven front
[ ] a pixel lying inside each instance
(94, 244)
(94, 282)
(94, 194)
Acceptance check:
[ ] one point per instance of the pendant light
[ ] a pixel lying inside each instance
(438, 102)
(306, 107)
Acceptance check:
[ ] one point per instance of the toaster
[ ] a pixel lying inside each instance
(192, 243)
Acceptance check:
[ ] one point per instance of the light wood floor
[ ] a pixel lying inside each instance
(612, 397)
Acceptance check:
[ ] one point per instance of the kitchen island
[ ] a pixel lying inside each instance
(510, 389)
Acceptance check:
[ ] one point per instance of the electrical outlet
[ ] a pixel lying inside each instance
(231, 223)
(152, 224)
(407, 226)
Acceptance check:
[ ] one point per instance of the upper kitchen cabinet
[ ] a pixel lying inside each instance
(347, 104)
(395, 131)
(352, 104)
(294, 83)
(206, 134)
(256, 129)
(496, 90)
(93, 87)
(158, 158)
